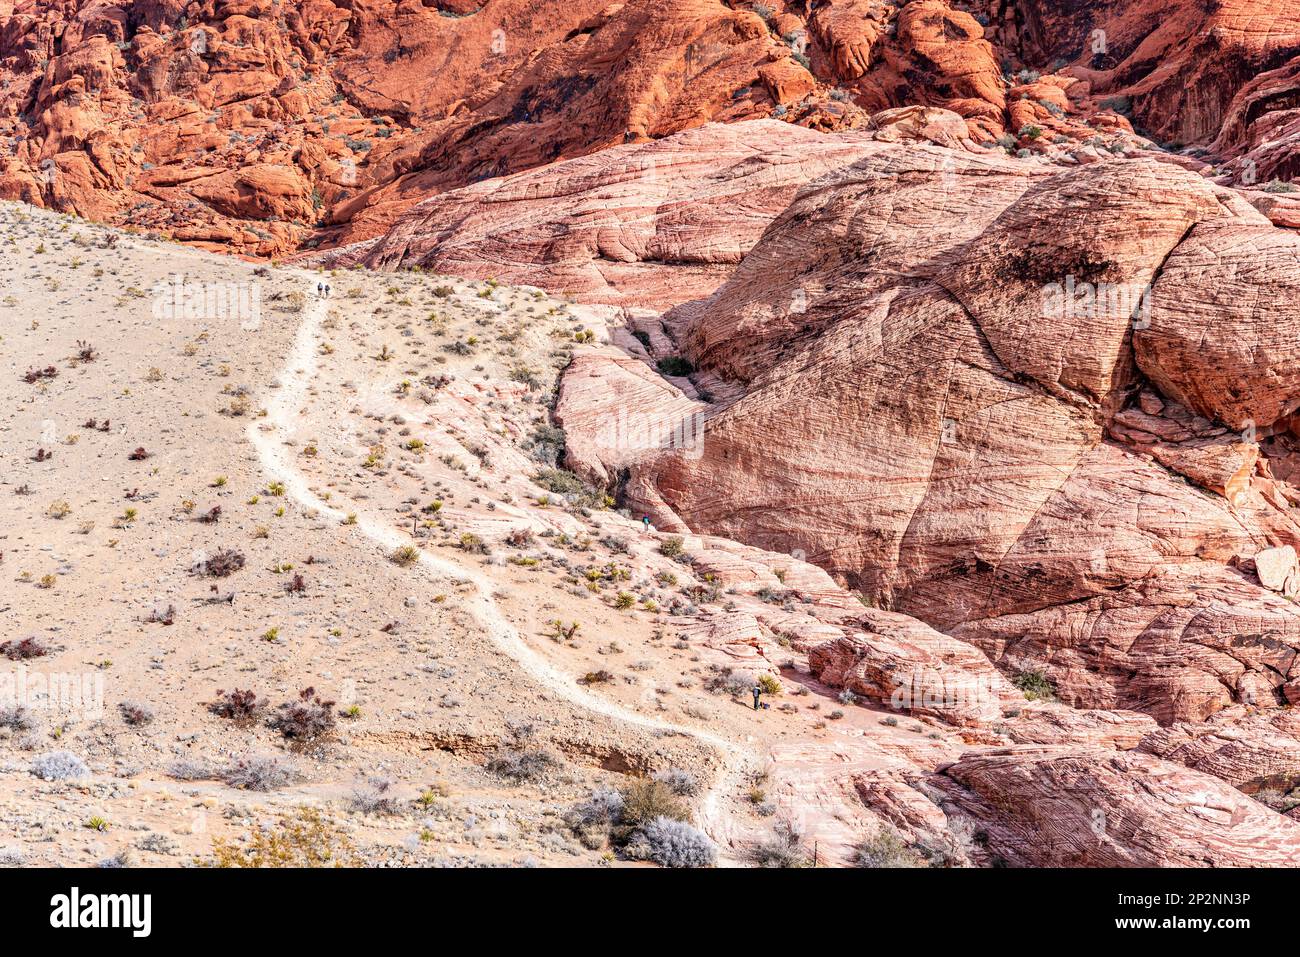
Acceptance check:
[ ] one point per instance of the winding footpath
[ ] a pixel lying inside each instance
(268, 435)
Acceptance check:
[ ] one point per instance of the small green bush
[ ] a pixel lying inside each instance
(886, 849)
(672, 546)
(674, 366)
(1035, 686)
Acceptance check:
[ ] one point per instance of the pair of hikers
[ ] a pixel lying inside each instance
(322, 290)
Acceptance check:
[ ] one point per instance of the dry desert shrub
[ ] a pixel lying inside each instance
(223, 562)
(374, 796)
(189, 769)
(784, 847)
(135, 714)
(682, 783)
(646, 800)
(522, 766)
(672, 843)
(886, 848)
(59, 766)
(404, 556)
(306, 719)
(17, 717)
(237, 704)
(23, 650)
(259, 773)
(646, 820)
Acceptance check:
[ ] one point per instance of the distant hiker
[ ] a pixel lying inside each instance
(327, 290)
(320, 290)
(756, 690)
(645, 523)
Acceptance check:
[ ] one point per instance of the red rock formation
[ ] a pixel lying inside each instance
(1220, 76)
(171, 116)
(645, 224)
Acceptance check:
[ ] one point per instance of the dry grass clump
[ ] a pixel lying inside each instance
(404, 556)
(303, 839)
(259, 773)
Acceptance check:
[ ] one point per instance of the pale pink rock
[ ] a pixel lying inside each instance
(921, 124)
(1091, 807)
(616, 410)
(904, 427)
(1278, 569)
(647, 223)
(902, 664)
(1231, 351)
(1055, 724)
(1248, 749)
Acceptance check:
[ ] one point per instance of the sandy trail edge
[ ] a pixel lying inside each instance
(298, 371)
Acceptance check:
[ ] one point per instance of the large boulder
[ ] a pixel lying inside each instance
(946, 411)
(1092, 807)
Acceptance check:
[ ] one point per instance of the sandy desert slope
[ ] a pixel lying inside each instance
(315, 437)
(273, 490)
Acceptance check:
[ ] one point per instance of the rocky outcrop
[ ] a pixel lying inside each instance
(1005, 477)
(1251, 749)
(120, 111)
(1246, 277)
(1090, 807)
(616, 410)
(151, 115)
(171, 116)
(1212, 77)
(902, 664)
(616, 227)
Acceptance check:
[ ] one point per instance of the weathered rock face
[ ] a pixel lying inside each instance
(615, 227)
(1246, 274)
(167, 114)
(1091, 807)
(1252, 750)
(188, 119)
(170, 116)
(896, 660)
(1220, 76)
(935, 411)
(616, 410)
(921, 52)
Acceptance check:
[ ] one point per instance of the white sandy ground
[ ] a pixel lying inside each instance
(441, 659)
(299, 368)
